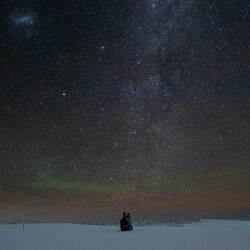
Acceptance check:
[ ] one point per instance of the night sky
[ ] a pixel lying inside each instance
(117, 105)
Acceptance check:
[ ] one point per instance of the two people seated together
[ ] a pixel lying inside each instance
(125, 222)
(126, 218)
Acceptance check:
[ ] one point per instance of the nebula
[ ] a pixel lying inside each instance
(22, 23)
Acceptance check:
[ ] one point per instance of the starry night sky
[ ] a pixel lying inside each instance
(117, 105)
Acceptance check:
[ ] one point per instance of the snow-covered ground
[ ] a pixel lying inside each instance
(208, 234)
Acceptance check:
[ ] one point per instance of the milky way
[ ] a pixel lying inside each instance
(139, 105)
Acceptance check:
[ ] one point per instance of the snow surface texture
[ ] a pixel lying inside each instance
(209, 234)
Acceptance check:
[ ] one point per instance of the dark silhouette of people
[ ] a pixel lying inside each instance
(125, 222)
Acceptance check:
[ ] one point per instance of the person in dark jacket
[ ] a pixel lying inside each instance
(128, 219)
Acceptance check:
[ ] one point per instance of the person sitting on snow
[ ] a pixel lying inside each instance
(124, 216)
(128, 219)
(123, 219)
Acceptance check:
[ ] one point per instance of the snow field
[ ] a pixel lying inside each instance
(208, 234)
